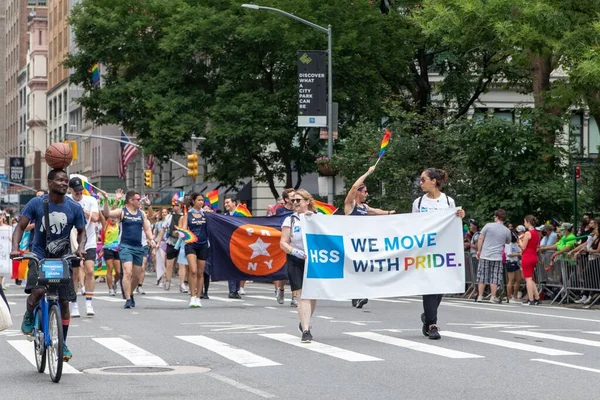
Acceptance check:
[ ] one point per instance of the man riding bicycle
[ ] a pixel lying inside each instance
(63, 215)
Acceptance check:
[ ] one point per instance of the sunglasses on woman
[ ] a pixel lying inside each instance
(296, 200)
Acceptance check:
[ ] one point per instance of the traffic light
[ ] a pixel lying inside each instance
(578, 171)
(73, 145)
(192, 165)
(148, 177)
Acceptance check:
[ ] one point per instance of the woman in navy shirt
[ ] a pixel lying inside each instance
(197, 252)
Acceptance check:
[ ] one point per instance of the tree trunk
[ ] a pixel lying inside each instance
(541, 68)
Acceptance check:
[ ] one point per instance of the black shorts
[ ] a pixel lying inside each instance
(111, 254)
(295, 269)
(512, 266)
(172, 252)
(65, 291)
(90, 255)
(200, 250)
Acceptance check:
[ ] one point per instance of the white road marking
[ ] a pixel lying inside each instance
(240, 356)
(558, 338)
(391, 301)
(425, 348)
(25, 347)
(165, 299)
(262, 297)
(509, 344)
(324, 317)
(106, 328)
(109, 299)
(240, 385)
(579, 367)
(271, 308)
(225, 299)
(322, 348)
(136, 355)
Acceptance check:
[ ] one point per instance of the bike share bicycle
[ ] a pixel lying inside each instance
(47, 334)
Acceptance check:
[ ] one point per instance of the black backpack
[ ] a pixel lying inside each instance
(174, 221)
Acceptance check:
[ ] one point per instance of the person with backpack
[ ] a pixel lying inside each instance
(168, 229)
(431, 182)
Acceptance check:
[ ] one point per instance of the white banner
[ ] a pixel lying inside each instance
(5, 246)
(354, 257)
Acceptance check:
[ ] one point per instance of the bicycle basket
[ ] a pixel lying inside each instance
(53, 271)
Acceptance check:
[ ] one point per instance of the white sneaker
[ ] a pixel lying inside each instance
(82, 291)
(479, 299)
(198, 302)
(241, 291)
(588, 300)
(193, 303)
(582, 300)
(89, 309)
(280, 296)
(111, 292)
(75, 310)
(495, 300)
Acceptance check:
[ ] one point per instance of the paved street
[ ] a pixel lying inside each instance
(250, 349)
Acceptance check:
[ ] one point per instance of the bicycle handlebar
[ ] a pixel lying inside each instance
(31, 256)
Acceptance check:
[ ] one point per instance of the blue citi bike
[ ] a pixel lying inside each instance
(47, 334)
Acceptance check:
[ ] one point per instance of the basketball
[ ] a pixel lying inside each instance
(59, 155)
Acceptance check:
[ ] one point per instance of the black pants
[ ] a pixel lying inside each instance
(431, 302)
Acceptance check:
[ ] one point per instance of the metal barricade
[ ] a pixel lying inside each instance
(549, 276)
(581, 276)
(470, 276)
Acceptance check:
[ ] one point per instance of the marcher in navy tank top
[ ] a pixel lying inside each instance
(133, 222)
(197, 252)
(355, 205)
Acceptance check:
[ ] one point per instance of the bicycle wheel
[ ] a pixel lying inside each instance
(39, 344)
(55, 350)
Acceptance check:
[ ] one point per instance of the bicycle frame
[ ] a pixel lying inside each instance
(44, 305)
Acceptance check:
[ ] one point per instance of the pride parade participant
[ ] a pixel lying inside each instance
(133, 222)
(355, 205)
(432, 180)
(291, 243)
(197, 252)
(110, 242)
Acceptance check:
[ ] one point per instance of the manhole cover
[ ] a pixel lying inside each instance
(147, 370)
(138, 370)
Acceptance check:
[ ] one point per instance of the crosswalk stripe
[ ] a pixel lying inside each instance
(579, 367)
(261, 297)
(322, 348)
(25, 347)
(165, 299)
(425, 348)
(592, 332)
(110, 299)
(136, 355)
(509, 344)
(240, 356)
(392, 301)
(558, 338)
(225, 299)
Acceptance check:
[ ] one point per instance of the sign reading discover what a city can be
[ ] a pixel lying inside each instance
(312, 88)
(16, 170)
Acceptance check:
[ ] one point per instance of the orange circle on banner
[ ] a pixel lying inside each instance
(255, 250)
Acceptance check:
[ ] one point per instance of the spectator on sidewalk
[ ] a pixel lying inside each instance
(492, 239)
(513, 264)
(565, 244)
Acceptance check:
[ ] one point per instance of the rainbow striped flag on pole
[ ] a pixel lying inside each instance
(212, 198)
(324, 208)
(242, 211)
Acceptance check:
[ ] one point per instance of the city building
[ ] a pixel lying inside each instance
(2, 85)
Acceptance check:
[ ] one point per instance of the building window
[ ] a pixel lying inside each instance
(576, 133)
(60, 104)
(40, 37)
(504, 114)
(66, 102)
(594, 136)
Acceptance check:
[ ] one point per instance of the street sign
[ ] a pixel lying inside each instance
(3, 183)
(312, 88)
(16, 170)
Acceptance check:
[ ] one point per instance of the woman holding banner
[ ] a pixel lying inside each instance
(431, 181)
(291, 243)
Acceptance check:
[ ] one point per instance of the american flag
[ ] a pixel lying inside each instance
(128, 151)
(150, 162)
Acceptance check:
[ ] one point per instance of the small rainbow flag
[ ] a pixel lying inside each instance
(188, 236)
(95, 75)
(178, 196)
(242, 211)
(88, 190)
(212, 198)
(324, 208)
(385, 142)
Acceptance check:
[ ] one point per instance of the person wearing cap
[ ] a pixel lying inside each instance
(565, 244)
(92, 216)
(549, 236)
(168, 228)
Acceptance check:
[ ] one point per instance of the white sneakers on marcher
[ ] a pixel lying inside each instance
(75, 310)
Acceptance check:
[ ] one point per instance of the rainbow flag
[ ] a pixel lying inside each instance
(188, 236)
(178, 196)
(242, 211)
(95, 74)
(385, 142)
(324, 208)
(212, 198)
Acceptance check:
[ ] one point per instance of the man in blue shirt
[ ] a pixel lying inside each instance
(63, 215)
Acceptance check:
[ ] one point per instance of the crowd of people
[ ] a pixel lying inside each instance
(134, 233)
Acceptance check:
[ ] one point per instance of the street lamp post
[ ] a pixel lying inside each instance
(328, 31)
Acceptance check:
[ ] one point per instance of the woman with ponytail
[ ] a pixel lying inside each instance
(529, 242)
